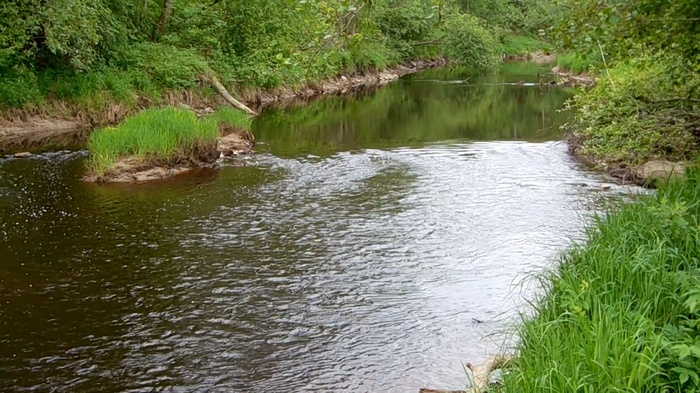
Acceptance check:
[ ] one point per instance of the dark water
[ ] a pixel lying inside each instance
(375, 244)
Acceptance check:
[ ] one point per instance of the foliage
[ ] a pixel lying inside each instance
(577, 64)
(522, 45)
(621, 28)
(522, 17)
(166, 134)
(644, 109)
(50, 48)
(621, 312)
(470, 44)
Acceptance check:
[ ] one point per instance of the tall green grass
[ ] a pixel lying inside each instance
(226, 116)
(577, 64)
(163, 134)
(622, 312)
(517, 45)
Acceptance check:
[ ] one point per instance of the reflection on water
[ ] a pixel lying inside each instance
(436, 105)
(372, 248)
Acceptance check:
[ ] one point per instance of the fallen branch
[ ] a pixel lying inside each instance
(481, 372)
(480, 375)
(228, 97)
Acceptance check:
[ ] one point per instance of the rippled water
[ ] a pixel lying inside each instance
(372, 246)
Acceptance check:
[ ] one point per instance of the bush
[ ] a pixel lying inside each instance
(18, 88)
(470, 44)
(155, 135)
(643, 110)
(167, 66)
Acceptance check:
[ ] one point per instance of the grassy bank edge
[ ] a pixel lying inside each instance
(621, 312)
(101, 109)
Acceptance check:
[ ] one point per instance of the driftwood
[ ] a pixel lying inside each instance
(480, 375)
(228, 97)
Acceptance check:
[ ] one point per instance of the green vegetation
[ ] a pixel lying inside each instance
(645, 53)
(518, 45)
(622, 311)
(642, 110)
(89, 54)
(225, 116)
(578, 64)
(166, 135)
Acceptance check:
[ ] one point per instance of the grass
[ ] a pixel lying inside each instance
(236, 119)
(517, 45)
(577, 64)
(164, 134)
(622, 311)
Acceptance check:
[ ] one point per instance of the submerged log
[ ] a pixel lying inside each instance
(480, 375)
(481, 372)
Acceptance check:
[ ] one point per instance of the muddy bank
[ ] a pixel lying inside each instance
(567, 78)
(32, 128)
(339, 85)
(136, 170)
(648, 174)
(538, 57)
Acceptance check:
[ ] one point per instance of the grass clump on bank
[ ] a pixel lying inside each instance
(164, 135)
(229, 117)
(518, 45)
(578, 64)
(622, 311)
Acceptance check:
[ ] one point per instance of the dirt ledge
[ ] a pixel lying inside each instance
(648, 174)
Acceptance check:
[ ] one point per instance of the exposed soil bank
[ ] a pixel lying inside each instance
(648, 174)
(22, 128)
(574, 80)
(538, 57)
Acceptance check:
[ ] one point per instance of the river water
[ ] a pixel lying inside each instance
(375, 244)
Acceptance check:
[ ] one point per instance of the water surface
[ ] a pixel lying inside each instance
(373, 245)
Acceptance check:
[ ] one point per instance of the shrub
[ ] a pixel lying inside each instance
(642, 110)
(470, 44)
(19, 88)
(167, 66)
(154, 135)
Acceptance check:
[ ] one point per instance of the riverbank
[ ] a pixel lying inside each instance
(642, 113)
(622, 310)
(19, 128)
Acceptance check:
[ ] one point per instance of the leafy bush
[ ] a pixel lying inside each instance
(19, 88)
(165, 134)
(642, 110)
(470, 44)
(169, 67)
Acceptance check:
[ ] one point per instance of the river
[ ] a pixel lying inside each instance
(374, 244)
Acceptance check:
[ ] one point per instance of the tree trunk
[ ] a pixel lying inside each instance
(164, 16)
